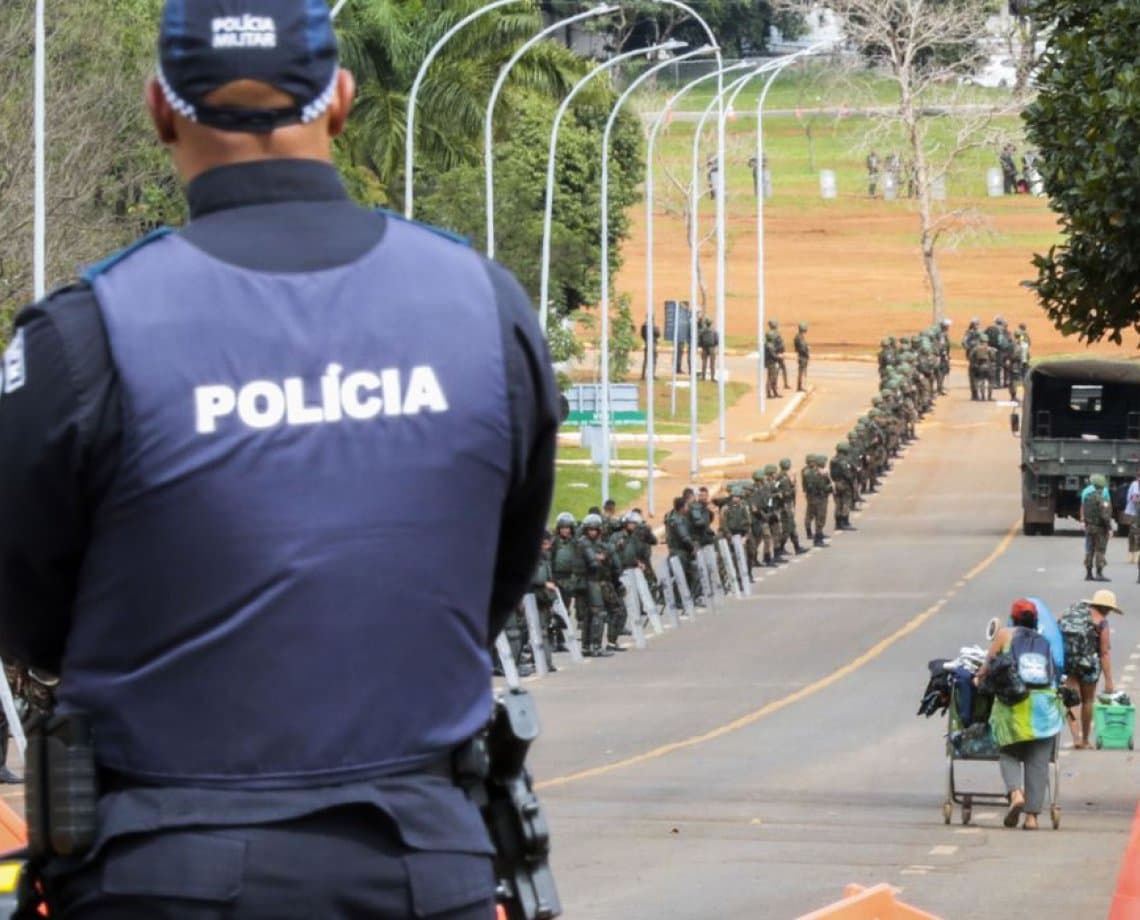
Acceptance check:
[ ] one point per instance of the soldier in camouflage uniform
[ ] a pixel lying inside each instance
(817, 487)
(679, 537)
(982, 360)
(737, 521)
(760, 505)
(543, 587)
(771, 369)
(569, 564)
(611, 522)
(599, 575)
(803, 356)
(786, 486)
(843, 481)
(775, 515)
(708, 340)
(778, 348)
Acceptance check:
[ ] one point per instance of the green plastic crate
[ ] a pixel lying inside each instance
(1115, 726)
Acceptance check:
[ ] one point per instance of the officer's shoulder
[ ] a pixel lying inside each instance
(432, 231)
(102, 267)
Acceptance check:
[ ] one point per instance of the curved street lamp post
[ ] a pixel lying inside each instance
(489, 119)
(605, 246)
(548, 214)
(650, 293)
(781, 65)
(414, 94)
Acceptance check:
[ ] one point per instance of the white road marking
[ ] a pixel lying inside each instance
(915, 870)
(968, 830)
(1134, 656)
(1130, 667)
(987, 815)
(943, 849)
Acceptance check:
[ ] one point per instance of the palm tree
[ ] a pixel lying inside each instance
(384, 41)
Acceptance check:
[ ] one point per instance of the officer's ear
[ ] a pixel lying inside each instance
(161, 113)
(342, 102)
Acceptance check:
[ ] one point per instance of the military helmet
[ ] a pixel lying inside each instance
(757, 475)
(565, 519)
(809, 460)
(975, 322)
(771, 469)
(736, 492)
(785, 464)
(998, 321)
(1022, 327)
(1098, 480)
(947, 322)
(633, 518)
(886, 343)
(803, 327)
(772, 324)
(592, 522)
(842, 447)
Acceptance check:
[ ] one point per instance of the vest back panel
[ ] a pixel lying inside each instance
(289, 581)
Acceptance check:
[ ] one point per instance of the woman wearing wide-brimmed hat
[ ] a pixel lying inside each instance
(1085, 679)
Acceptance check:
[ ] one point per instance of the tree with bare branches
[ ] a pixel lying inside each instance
(926, 49)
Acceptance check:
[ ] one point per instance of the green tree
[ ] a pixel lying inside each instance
(108, 180)
(457, 202)
(742, 27)
(384, 42)
(1086, 124)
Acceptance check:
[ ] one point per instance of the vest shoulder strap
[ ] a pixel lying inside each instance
(438, 231)
(99, 268)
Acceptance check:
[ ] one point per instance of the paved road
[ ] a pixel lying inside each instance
(755, 761)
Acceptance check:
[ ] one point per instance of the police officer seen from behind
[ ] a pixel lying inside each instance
(220, 447)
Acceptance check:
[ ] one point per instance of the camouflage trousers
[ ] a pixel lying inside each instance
(843, 501)
(615, 610)
(788, 529)
(815, 520)
(1096, 542)
(1134, 535)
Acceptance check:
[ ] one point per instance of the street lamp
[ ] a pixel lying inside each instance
(413, 97)
(760, 291)
(650, 294)
(489, 118)
(548, 215)
(605, 301)
(39, 243)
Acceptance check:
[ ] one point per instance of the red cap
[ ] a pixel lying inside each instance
(1021, 607)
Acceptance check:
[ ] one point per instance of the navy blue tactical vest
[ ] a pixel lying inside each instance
(290, 579)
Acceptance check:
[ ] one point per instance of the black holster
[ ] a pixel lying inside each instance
(61, 787)
(491, 768)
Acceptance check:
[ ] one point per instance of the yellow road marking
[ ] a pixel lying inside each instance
(784, 702)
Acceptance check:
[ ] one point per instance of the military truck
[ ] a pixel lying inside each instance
(1077, 418)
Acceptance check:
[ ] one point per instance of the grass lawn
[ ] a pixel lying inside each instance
(578, 488)
(708, 404)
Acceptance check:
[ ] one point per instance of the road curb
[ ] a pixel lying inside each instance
(790, 411)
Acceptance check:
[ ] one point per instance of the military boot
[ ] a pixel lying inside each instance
(1088, 573)
(796, 544)
(818, 540)
(1100, 576)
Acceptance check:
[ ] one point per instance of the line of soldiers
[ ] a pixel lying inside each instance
(998, 358)
(776, 366)
(584, 563)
